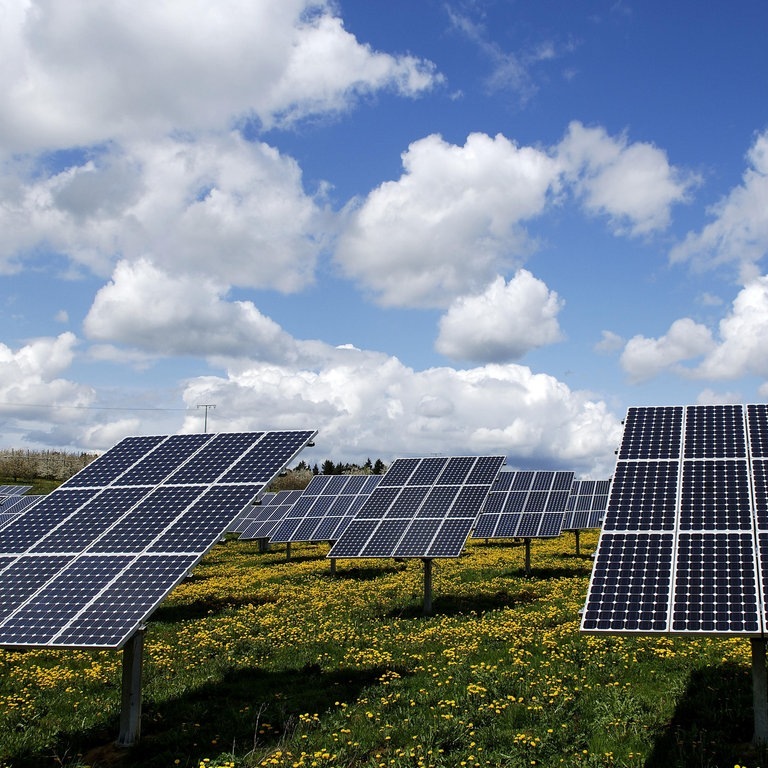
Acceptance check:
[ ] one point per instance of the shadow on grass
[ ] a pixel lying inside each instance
(199, 609)
(712, 724)
(455, 605)
(543, 574)
(366, 573)
(246, 709)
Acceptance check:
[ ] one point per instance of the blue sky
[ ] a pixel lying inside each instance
(419, 228)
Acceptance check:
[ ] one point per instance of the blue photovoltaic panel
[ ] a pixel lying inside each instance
(326, 507)
(85, 565)
(586, 504)
(261, 519)
(13, 506)
(528, 504)
(110, 465)
(423, 507)
(14, 490)
(683, 535)
(242, 519)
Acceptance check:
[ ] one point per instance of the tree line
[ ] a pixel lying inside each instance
(25, 465)
(298, 478)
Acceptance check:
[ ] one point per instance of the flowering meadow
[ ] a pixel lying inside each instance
(257, 660)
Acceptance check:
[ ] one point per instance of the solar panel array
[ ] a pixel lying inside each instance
(325, 509)
(12, 506)
(684, 544)
(86, 565)
(586, 504)
(422, 507)
(261, 520)
(14, 490)
(527, 504)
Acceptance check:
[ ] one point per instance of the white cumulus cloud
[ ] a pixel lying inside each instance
(367, 404)
(450, 223)
(739, 232)
(631, 183)
(33, 390)
(644, 358)
(501, 324)
(144, 308)
(78, 73)
(742, 347)
(217, 203)
(738, 349)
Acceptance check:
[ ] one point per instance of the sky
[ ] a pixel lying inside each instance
(442, 227)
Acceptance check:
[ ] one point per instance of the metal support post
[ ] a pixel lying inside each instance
(759, 691)
(130, 704)
(527, 557)
(578, 547)
(333, 566)
(288, 551)
(427, 585)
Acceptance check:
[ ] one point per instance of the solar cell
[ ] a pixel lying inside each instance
(422, 507)
(326, 507)
(88, 563)
(681, 547)
(528, 504)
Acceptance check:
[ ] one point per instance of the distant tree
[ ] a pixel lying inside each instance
(315, 469)
(379, 467)
(329, 468)
(368, 465)
(293, 480)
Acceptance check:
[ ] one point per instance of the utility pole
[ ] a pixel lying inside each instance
(205, 421)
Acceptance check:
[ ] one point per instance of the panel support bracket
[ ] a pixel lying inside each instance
(759, 691)
(427, 585)
(130, 705)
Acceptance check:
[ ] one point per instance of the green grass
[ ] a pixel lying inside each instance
(256, 661)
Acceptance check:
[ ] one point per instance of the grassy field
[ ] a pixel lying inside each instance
(259, 661)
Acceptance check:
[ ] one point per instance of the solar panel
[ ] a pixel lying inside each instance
(325, 508)
(13, 506)
(89, 562)
(422, 507)
(14, 490)
(586, 504)
(261, 519)
(241, 520)
(683, 544)
(527, 504)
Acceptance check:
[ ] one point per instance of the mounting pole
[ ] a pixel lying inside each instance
(333, 566)
(527, 557)
(130, 704)
(205, 420)
(759, 691)
(578, 548)
(288, 550)
(427, 585)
